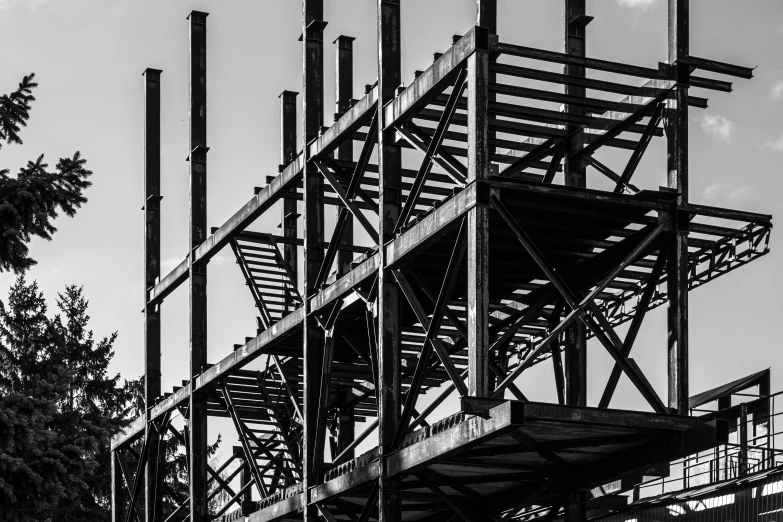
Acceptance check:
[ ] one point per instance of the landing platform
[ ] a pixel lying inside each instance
(507, 454)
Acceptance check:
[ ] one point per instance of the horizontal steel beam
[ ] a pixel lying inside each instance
(603, 65)
(434, 80)
(567, 59)
(433, 225)
(725, 213)
(230, 229)
(344, 128)
(721, 67)
(588, 83)
(240, 357)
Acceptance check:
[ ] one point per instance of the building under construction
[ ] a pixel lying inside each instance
(468, 241)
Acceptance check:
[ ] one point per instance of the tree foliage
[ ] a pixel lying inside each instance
(59, 408)
(33, 198)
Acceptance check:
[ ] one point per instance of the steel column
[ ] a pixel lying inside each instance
(152, 198)
(289, 216)
(313, 110)
(575, 345)
(388, 306)
(244, 478)
(478, 219)
(343, 97)
(762, 421)
(677, 145)
(576, 507)
(116, 488)
(487, 17)
(743, 440)
(197, 411)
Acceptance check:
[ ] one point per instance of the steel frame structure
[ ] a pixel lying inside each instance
(479, 265)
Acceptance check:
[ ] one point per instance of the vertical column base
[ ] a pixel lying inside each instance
(199, 508)
(389, 501)
(478, 302)
(576, 364)
(576, 507)
(152, 494)
(677, 318)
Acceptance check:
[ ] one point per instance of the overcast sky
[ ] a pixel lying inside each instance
(89, 56)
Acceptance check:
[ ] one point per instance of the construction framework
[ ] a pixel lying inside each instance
(467, 247)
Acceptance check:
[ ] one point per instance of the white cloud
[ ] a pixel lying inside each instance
(777, 90)
(642, 4)
(776, 145)
(718, 127)
(725, 192)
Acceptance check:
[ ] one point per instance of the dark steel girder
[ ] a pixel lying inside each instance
(578, 308)
(432, 149)
(452, 271)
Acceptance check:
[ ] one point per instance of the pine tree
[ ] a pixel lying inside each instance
(59, 408)
(94, 408)
(31, 200)
(31, 467)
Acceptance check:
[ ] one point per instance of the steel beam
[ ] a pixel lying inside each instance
(243, 439)
(575, 21)
(388, 304)
(641, 310)
(602, 65)
(313, 186)
(641, 147)
(430, 83)
(197, 411)
(116, 487)
(677, 150)
(478, 217)
(235, 225)
(432, 149)
(343, 97)
(421, 315)
(289, 211)
(152, 389)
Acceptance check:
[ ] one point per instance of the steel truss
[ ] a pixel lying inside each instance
(479, 265)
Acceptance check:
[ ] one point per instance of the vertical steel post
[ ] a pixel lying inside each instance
(724, 403)
(677, 267)
(575, 22)
(743, 440)
(761, 421)
(343, 96)
(346, 431)
(576, 506)
(151, 274)
(244, 479)
(116, 489)
(388, 311)
(197, 411)
(313, 113)
(487, 17)
(289, 217)
(478, 218)
(575, 346)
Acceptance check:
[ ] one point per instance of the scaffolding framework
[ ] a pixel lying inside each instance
(468, 246)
